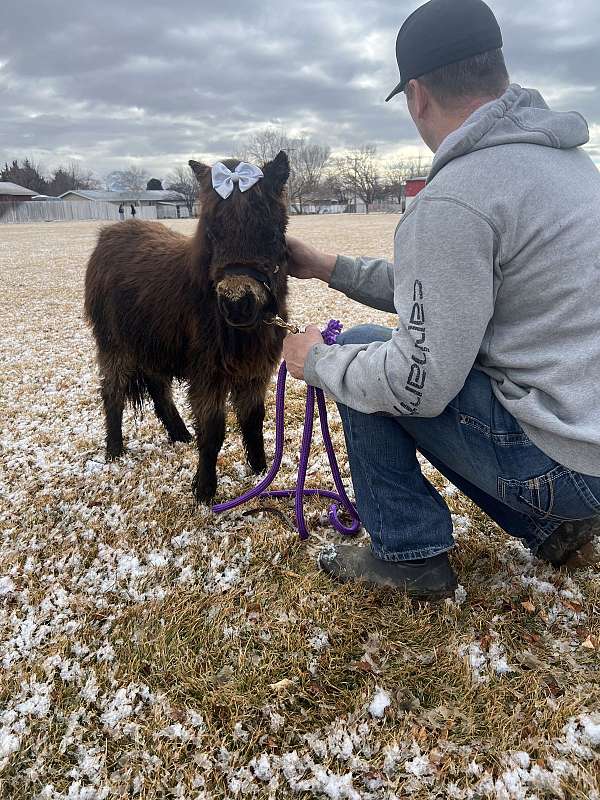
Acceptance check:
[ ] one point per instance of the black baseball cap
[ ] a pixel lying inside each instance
(442, 32)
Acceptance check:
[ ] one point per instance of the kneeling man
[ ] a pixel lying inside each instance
(493, 370)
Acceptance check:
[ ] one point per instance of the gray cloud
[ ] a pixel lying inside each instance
(110, 82)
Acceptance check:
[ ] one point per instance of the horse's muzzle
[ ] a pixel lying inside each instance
(242, 313)
(245, 295)
(242, 300)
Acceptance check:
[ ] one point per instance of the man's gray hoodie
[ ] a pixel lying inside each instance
(497, 267)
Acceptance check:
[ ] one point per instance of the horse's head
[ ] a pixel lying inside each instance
(243, 237)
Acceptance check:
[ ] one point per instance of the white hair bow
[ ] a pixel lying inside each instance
(246, 175)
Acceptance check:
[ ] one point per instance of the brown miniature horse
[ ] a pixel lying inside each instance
(163, 306)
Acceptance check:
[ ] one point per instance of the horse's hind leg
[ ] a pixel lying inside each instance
(113, 391)
(159, 389)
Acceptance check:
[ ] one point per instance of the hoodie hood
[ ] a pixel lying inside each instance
(520, 116)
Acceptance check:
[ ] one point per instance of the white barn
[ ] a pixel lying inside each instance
(168, 204)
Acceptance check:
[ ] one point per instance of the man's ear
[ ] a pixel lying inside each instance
(420, 98)
(201, 171)
(277, 172)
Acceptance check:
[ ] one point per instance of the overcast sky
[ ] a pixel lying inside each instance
(155, 83)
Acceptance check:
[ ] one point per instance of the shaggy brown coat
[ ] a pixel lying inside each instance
(163, 306)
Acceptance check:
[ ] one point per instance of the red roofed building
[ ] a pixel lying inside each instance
(412, 188)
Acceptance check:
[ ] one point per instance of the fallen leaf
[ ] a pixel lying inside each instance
(367, 665)
(529, 660)
(279, 686)
(577, 607)
(528, 606)
(589, 644)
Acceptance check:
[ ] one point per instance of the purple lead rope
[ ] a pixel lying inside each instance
(340, 497)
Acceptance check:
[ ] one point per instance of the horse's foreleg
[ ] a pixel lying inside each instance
(249, 403)
(208, 407)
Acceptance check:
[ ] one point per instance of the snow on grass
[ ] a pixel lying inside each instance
(149, 648)
(379, 703)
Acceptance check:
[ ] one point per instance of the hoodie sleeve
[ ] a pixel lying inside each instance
(369, 281)
(444, 300)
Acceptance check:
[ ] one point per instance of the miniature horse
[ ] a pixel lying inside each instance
(163, 306)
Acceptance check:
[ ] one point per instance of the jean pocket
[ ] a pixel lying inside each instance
(553, 495)
(537, 494)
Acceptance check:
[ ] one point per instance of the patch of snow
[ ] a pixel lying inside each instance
(319, 639)
(379, 703)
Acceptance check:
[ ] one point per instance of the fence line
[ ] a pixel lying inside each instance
(385, 207)
(67, 211)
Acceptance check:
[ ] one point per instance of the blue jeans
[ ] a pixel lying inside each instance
(479, 447)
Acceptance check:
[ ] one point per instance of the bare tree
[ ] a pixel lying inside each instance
(359, 173)
(69, 178)
(265, 145)
(332, 185)
(133, 179)
(182, 180)
(399, 171)
(307, 162)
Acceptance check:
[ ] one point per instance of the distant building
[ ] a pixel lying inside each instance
(412, 187)
(13, 193)
(165, 202)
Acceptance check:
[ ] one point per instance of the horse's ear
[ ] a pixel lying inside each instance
(277, 172)
(201, 171)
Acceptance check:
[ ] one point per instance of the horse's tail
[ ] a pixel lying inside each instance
(137, 391)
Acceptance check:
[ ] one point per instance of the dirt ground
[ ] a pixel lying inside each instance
(151, 649)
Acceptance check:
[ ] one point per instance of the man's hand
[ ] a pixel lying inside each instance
(296, 348)
(305, 261)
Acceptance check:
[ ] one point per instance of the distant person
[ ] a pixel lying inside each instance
(492, 371)
(133, 211)
(122, 212)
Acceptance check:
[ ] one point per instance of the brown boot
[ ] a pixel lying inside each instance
(567, 540)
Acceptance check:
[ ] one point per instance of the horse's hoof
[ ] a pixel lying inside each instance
(204, 490)
(113, 452)
(258, 465)
(182, 436)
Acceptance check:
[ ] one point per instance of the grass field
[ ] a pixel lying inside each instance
(152, 650)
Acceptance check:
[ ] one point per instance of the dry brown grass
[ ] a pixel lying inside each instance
(151, 649)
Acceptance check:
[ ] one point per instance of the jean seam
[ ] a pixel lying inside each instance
(409, 555)
(561, 471)
(585, 492)
(541, 532)
(475, 424)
